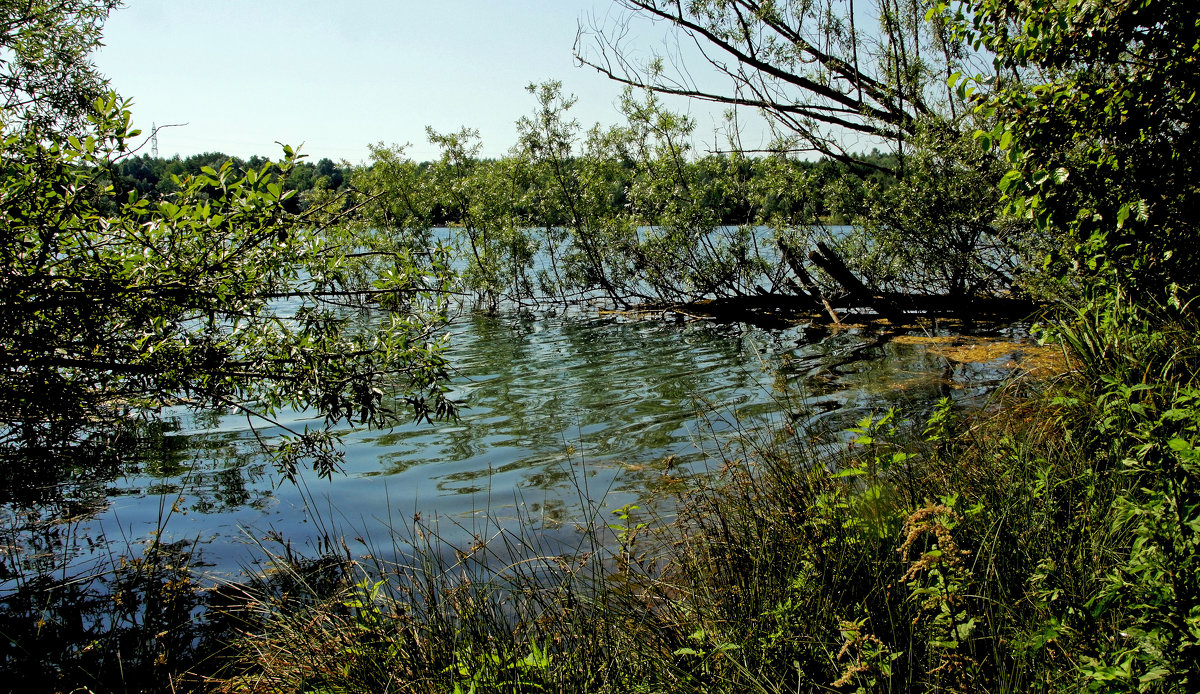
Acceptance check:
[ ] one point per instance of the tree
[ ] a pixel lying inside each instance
(1096, 106)
(936, 229)
(665, 241)
(832, 74)
(682, 248)
(827, 73)
(569, 202)
(495, 248)
(46, 77)
(213, 296)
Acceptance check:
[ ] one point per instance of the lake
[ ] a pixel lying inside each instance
(561, 416)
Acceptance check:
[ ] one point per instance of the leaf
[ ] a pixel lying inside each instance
(1142, 209)
(1179, 445)
(1122, 215)
(1010, 178)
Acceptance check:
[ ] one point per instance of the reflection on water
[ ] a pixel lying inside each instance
(558, 414)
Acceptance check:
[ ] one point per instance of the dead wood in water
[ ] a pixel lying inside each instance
(780, 310)
(859, 293)
(806, 302)
(810, 287)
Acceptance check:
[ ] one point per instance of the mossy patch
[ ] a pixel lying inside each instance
(1039, 360)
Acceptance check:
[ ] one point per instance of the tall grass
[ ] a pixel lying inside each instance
(1046, 543)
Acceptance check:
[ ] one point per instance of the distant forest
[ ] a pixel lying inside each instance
(156, 177)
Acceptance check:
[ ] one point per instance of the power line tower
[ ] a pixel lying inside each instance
(154, 140)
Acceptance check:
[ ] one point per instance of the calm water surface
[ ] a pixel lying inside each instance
(558, 415)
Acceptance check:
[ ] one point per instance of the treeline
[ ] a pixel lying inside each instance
(630, 215)
(157, 176)
(712, 172)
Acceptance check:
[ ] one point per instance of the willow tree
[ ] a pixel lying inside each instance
(494, 247)
(569, 200)
(112, 306)
(832, 74)
(685, 251)
(47, 79)
(838, 78)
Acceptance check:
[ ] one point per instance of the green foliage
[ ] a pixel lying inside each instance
(1157, 587)
(1138, 401)
(47, 80)
(483, 198)
(569, 201)
(937, 229)
(493, 672)
(205, 289)
(215, 296)
(1100, 128)
(686, 248)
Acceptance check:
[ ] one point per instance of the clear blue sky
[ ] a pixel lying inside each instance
(335, 76)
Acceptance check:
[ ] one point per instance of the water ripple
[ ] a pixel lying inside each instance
(553, 411)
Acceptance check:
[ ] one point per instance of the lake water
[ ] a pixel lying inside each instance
(559, 416)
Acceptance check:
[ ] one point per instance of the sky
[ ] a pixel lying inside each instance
(334, 77)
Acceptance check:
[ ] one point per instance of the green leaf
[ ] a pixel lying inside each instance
(1179, 444)
(1122, 215)
(1009, 179)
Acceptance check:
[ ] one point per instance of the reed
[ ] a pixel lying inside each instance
(1047, 542)
(1024, 547)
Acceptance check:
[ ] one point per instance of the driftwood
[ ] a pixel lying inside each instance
(967, 306)
(810, 287)
(836, 268)
(786, 310)
(807, 300)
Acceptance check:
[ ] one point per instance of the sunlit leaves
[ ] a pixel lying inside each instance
(216, 296)
(47, 81)
(1099, 124)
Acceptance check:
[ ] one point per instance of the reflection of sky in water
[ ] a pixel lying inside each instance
(556, 414)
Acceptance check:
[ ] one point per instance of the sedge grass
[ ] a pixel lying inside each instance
(1017, 548)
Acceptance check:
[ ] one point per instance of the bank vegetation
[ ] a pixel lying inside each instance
(1040, 155)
